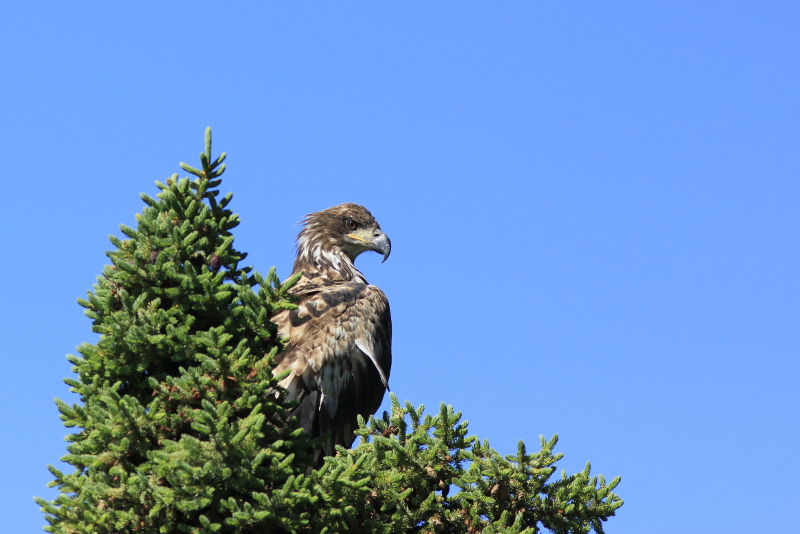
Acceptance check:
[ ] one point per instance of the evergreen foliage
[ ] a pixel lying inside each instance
(181, 426)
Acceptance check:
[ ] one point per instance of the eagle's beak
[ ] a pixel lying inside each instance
(383, 243)
(379, 242)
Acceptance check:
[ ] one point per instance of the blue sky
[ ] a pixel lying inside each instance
(593, 211)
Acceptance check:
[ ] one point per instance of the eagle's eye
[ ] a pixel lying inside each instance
(351, 224)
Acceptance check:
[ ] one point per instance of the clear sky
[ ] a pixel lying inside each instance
(594, 213)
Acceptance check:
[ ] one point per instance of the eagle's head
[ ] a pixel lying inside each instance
(344, 230)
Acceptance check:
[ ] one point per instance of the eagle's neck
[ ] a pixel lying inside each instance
(315, 260)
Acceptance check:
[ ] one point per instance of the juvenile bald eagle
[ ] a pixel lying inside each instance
(340, 336)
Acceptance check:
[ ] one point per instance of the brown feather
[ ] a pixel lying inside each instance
(334, 380)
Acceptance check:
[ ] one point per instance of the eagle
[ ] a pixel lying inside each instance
(339, 348)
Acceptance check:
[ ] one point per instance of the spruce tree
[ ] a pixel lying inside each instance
(181, 426)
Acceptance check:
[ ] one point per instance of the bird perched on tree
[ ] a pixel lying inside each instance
(339, 352)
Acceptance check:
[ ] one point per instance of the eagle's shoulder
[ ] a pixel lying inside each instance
(329, 322)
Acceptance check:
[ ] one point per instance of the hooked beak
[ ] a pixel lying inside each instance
(379, 242)
(383, 243)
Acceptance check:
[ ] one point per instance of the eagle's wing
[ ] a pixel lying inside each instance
(338, 354)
